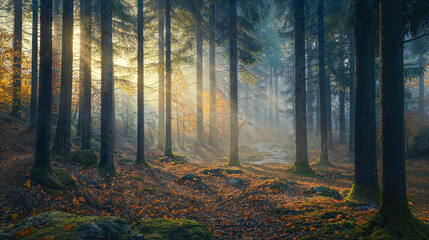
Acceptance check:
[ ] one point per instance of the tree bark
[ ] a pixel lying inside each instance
(56, 80)
(17, 58)
(351, 154)
(323, 98)
(199, 36)
(329, 112)
(301, 165)
(421, 89)
(41, 169)
(87, 78)
(212, 34)
(365, 184)
(168, 140)
(81, 66)
(161, 71)
(62, 142)
(233, 85)
(310, 89)
(140, 84)
(107, 86)
(34, 63)
(342, 117)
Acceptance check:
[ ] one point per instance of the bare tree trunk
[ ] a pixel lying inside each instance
(421, 89)
(200, 119)
(140, 84)
(81, 66)
(168, 143)
(352, 98)
(87, 78)
(233, 85)
(17, 48)
(56, 80)
(34, 63)
(323, 96)
(329, 113)
(62, 142)
(310, 95)
(342, 117)
(107, 89)
(301, 165)
(161, 71)
(212, 34)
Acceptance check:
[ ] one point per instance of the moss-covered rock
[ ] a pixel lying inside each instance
(221, 171)
(65, 178)
(190, 177)
(166, 229)
(326, 192)
(85, 157)
(65, 226)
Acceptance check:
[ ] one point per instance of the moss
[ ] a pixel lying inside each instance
(60, 225)
(326, 192)
(323, 162)
(46, 176)
(65, 178)
(141, 161)
(60, 157)
(302, 169)
(167, 229)
(85, 157)
(364, 194)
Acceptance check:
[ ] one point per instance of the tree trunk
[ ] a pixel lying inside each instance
(17, 48)
(365, 184)
(168, 142)
(342, 118)
(352, 98)
(34, 63)
(421, 89)
(62, 142)
(310, 97)
(323, 97)
(329, 112)
(140, 84)
(270, 100)
(277, 112)
(56, 80)
(233, 85)
(161, 70)
(41, 169)
(107, 88)
(81, 66)
(301, 165)
(200, 119)
(212, 35)
(87, 82)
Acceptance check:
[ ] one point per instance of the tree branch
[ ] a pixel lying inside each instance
(415, 38)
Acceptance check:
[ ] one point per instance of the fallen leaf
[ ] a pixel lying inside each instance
(68, 227)
(24, 232)
(75, 201)
(27, 183)
(14, 216)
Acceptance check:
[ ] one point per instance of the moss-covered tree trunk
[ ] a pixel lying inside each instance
(301, 165)
(212, 34)
(168, 140)
(17, 48)
(365, 182)
(233, 85)
(34, 63)
(107, 115)
(140, 84)
(323, 118)
(87, 78)
(161, 72)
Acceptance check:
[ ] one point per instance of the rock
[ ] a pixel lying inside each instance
(326, 192)
(65, 226)
(278, 185)
(85, 157)
(190, 177)
(65, 178)
(236, 181)
(166, 229)
(221, 171)
(176, 159)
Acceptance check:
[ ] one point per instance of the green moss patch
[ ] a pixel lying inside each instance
(65, 226)
(85, 157)
(166, 229)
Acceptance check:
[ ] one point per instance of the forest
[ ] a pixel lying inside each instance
(214, 119)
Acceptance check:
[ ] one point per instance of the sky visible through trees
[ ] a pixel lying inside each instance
(214, 119)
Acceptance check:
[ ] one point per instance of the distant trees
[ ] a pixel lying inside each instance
(17, 59)
(212, 38)
(107, 87)
(34, 63)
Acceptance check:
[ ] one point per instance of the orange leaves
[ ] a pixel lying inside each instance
(68, 227)
(24, 232)
(336, 232)
(15, 217)
(81, 199)
(410, 203)
(75, 201)
(312, 229)
(27, 183)
(140, 212)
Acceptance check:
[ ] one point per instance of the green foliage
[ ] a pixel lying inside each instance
(166, 229)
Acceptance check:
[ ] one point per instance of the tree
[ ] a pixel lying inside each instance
(342, 93)
(393, 217)
(41, 169)
(212, 33)
(323, 119)
(62, 137)
(233, 85)
(351, 154)
(161, 71)
(34, 64)
(168, 140)
(107, 115)
(140, 84)
(365, 185)
(17, 48)
(87, 85)
(199, 33)
(301, 165)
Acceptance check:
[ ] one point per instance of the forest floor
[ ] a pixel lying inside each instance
(262, 202)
